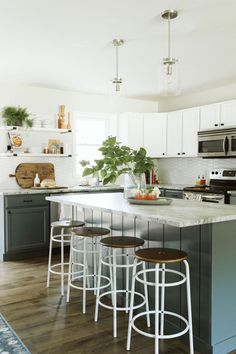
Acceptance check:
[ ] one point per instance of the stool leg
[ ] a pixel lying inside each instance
(114, 295)
(189, 307)
(62, 261)
(157, 309)
(131, 305)
(146, 295)
(84, 274)
(111, 276)
(50, 257)
(163, 273)
(127, 283)
(98, 284)
(70, 275)
(94, 265)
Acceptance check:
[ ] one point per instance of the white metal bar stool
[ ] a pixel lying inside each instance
(64, 239)
(81, 239)
(160, 257)
(115, 261)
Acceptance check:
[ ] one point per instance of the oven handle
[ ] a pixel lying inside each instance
(210, 201)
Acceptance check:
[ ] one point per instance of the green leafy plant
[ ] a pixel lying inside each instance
(17, 116)
(116, 160)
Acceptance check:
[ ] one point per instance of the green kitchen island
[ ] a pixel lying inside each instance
(207, 232)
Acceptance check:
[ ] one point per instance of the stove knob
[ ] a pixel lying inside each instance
(212, 172)
(216, 172)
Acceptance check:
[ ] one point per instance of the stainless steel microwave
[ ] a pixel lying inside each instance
(217, 143)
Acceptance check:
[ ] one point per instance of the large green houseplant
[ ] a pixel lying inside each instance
(16, 116)
(118, 159)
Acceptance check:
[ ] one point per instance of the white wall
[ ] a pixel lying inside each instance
(44, 102)
(214, 95)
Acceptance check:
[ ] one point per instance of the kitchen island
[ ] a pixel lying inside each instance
(207, 232)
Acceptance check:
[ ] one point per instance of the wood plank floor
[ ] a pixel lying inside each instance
(47, 324)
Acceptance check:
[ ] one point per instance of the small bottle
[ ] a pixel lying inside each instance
(202, 181)
(36, 180)
(198, 181)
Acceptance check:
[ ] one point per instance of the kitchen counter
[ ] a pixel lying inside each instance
(72, 189)
(173, 186)
(181, 213)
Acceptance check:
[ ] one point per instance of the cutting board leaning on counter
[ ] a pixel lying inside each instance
(35, 176)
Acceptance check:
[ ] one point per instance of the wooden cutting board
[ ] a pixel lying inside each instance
(25, 173)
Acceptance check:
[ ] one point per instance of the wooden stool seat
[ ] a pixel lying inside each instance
(122, 242)
(88, 231)
(161, 255)
(67, 223)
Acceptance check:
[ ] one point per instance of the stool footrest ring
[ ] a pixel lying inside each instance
(164, 336)
(110, 307)
(89, 288)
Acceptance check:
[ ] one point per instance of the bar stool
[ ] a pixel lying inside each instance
(81, 237)
(160, 257)
(111, 260)
(63, 239)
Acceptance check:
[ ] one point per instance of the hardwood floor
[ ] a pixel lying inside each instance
(47, 324)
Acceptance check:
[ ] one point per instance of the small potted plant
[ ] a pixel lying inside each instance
(16, 116)
(119, 159)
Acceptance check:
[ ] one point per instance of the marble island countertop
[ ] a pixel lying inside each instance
(180, 213)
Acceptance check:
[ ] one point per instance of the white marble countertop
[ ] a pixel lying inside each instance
(173, 186)
(181, 213)
(73, 189)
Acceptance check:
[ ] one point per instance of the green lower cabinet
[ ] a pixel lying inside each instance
(26, 231)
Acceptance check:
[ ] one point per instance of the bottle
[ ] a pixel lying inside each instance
(198, 181)
(202, 181)
(36, 180)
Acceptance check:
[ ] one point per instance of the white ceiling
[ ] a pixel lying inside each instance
(66, 44)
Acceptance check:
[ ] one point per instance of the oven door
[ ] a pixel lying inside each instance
(212, 145)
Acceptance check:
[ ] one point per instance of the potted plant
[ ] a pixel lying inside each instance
(119, 159)
(16, 116)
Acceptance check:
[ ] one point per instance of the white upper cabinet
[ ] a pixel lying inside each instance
(190, 128)
(154, 134)
(210, 117)
(130, 131)
(228, 114)
(174, 133)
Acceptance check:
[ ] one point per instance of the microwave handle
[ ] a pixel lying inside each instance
(225, 144)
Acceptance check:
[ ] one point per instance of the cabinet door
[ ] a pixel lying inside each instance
(174, 133)
(27, 228)
(210, 116)
(131, 129)
(189, 132)
(228, 114)
(154, 133)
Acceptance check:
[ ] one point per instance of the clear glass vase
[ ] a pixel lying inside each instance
(133, 183)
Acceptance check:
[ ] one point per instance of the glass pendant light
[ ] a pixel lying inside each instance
(169, 72)
(117, 90)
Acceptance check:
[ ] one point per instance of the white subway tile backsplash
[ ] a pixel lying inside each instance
(186, 170)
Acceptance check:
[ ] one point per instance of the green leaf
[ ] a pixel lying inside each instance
(88, 171)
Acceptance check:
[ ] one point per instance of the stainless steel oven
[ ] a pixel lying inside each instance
(217, 143)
